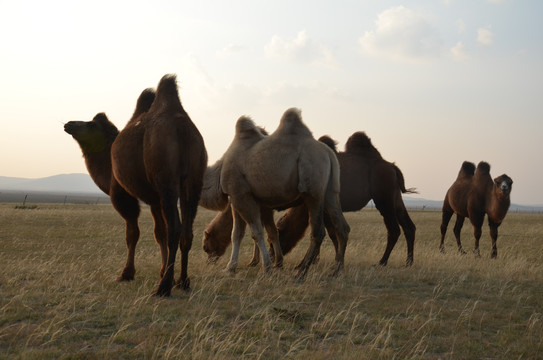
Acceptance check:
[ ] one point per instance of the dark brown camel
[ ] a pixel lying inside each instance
(159, 158)
(473, 195)
(365, 175)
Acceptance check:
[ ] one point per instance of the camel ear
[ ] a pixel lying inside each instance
(206, 233)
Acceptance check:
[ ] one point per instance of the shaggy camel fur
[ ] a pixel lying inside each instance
(473, 195)
(365, 175)
(159, 158)
(259, 173)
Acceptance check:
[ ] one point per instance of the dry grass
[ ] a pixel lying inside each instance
(58, 298)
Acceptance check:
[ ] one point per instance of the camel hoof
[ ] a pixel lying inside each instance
(162, 292)
(229, 270)
(409, 262)
(123, 278)
(184, 285)
(462, 252)
(477, 253)
(442, 249)
(253, 263)
(300, 276)
(336, 271)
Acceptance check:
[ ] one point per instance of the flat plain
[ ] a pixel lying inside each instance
(58, 297)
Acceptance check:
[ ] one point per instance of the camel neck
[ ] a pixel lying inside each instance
(99, 167)
(499, 205)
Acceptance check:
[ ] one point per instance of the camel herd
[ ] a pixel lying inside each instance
(160, 158)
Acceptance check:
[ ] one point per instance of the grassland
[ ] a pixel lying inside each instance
(58, 298)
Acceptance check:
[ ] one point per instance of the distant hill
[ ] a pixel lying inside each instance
(425, 204)
(64, 183)
(58, 186)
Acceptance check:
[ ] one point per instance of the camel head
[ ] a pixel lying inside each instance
(503, 184)
(93, 136)
(214, 244)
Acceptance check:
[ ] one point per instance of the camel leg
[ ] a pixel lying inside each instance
(457, 230)
(317, 234)
(273, 236)
(161, 236)
(189, 206)
(331, 233)
(393, 233)
(445, 218)
(128, 207)
(494, 236)
(173, 226)
(271, 230)
(237, 234)
(292, 227)
(256, 256)
(409, 230)
(477, 234)
(339, 229)
(247, 209)
(330, 229)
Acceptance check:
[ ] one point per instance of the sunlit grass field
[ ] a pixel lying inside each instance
(58, 297)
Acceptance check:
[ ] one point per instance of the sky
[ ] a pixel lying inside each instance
(433, 83)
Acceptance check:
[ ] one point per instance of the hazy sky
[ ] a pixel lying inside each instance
(433, 83)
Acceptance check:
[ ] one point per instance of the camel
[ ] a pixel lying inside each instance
(158, 158)
(365, 175)
(258, 173)
(473, 195)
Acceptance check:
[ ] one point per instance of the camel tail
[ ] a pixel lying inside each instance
(167, 95)
(401, 182)
(333, 204)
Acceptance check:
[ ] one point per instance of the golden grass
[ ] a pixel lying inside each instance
(58, 297)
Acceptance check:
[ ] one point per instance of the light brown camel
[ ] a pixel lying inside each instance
(159, 158)
(473, 195)
(365, 175)
(260, 172)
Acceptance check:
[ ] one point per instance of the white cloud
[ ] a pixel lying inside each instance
(231, 49)
(301, 49)
(485, 36)
(402, 34)
(460, 26)
(459, 52)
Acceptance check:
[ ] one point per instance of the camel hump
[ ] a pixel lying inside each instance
(167, 95)
(291, 124)
(467, 169)
(329, 141)
(247, 129)
(145, 100)
(359, 142)
(483, 168)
